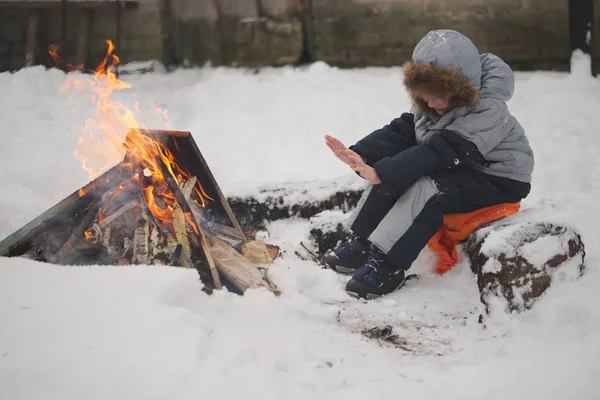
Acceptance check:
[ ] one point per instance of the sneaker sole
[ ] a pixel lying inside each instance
(373, 296)
(332, 265)
(342, 270)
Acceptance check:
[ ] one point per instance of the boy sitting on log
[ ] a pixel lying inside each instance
(457, 151)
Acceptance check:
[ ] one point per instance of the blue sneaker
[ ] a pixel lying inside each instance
(377, 277)
(348, 256)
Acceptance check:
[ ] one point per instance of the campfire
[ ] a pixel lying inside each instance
(158, 204)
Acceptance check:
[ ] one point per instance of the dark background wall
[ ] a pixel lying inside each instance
(141, 32)
(529, 34)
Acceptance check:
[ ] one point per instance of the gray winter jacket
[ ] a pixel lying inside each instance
(478, 86)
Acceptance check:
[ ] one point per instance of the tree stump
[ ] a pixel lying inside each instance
(516, 262)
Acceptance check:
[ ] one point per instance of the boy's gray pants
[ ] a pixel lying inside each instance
(401, 227)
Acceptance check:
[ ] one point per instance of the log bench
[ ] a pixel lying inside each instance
(515, 259)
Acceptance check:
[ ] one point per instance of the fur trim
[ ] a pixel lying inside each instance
(449, 83)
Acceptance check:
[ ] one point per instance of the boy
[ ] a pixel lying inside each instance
(458, 150)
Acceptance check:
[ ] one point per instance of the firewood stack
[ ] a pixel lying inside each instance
(160, 206)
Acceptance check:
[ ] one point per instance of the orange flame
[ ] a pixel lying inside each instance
(102, 142)
(190, 220)
(53, 51)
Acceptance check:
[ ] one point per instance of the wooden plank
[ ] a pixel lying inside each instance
(219, 229)
(32, 29)
(211, 261)
(239, 270)
(83, 38)
(186, 209)
(111, 178)
(179, 221)
(185, 138)
(222, 198)
(259, 252)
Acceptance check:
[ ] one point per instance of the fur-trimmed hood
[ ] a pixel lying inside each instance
(446, 63)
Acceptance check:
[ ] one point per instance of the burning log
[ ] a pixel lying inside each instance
(163, 248)
(61, 218)
(156, 206)
(175, 256)
(148, 209)
(182, 192)
(125, 258)
(141, 238)
(105, 223)
(181, 209)
(77, 234)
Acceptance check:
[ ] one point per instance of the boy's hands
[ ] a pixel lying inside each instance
(352, 159)
(357, 164)
(338, 148)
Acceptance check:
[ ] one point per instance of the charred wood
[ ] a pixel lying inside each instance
(78, 233)
(106, 221)
(174, 259)
(21, 240)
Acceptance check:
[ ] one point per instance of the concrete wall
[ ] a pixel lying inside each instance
(235, 32)
(13, 33)
(529, 34)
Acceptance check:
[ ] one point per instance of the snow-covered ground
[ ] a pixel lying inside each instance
(151, 333)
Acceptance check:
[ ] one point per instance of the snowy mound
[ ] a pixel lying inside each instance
(149, 332)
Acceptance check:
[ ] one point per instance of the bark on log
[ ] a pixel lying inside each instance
(517, 262)
(302, 200)
(141, 236)
(180, 224)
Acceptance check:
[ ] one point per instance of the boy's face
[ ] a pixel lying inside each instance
(439, 104)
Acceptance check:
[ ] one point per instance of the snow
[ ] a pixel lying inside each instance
(543, 249)
(491, 266)
(151, 333)
(581, 64)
